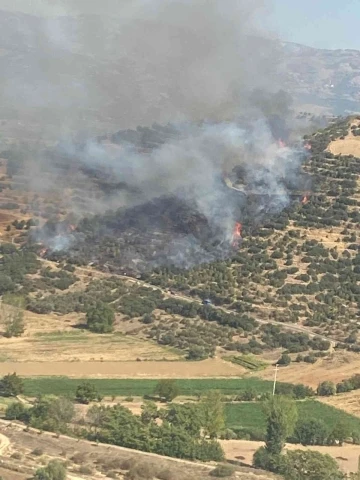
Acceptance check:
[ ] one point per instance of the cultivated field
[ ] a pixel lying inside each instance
(136, 387)
(50, 338)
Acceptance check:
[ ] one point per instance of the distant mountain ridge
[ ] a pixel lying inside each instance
(46, 74)
(330, 78)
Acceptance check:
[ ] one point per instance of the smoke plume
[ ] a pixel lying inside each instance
(204, 65)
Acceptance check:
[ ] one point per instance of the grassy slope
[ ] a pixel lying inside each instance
(250, 415)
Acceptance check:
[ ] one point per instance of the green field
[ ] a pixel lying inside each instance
(250, 416)
(130, 387)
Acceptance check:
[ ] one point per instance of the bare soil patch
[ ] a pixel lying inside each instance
(210, 368)
(10, 475)
(346, 456)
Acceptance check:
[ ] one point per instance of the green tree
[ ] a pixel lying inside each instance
(149, 412)
(11, 385)
(281, 415)
(285, 359)
(311, 432)
(12, 318)
(52, 413)
(55, 470)
(212, 413)
(100, 318)
(167, 389)
(97, 416)
(187, 416)
(17, 411)
(86, 393)
(6, 284)
(339, 434)
(196, 352)
(309, 465)
(326, 389)
(302, 391)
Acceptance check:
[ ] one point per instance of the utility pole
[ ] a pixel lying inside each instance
(275, 375)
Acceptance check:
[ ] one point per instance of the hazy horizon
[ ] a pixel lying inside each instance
(325, 24)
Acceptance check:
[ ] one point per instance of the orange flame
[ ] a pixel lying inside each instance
(71, 227)
(305, 199)
(236, 234)
(281, 143)
(307, 146)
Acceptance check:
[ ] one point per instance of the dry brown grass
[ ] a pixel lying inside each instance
(336, 367)
(349, 402)
(106, 458)
(346, 456)
(211, 368)
(350, 145)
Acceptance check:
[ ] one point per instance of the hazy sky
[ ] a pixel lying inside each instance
(320, 23)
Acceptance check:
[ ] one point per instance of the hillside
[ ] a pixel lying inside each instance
(327, 78)
(295, 271)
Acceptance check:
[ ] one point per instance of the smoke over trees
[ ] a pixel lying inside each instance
(205, 66)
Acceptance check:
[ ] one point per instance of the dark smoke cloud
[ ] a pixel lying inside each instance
(201, 64)
(140, 61)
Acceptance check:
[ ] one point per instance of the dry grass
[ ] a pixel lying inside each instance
(336, 367)
(211, 368)
(106, 458)
(349, 402)
(350, 145)
(346, 456)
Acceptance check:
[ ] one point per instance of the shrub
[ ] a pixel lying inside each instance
(285, 359)
(16, 411)
(309, 465)
(86, 469)
(222, 471)
(167, 389)
(37, 452)
(140, 471)
(86, 393)
(326, 389)
(11, 385)
(166, 475)
(311, 432)
(17, 456)
(100, 318)
(55, 470)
